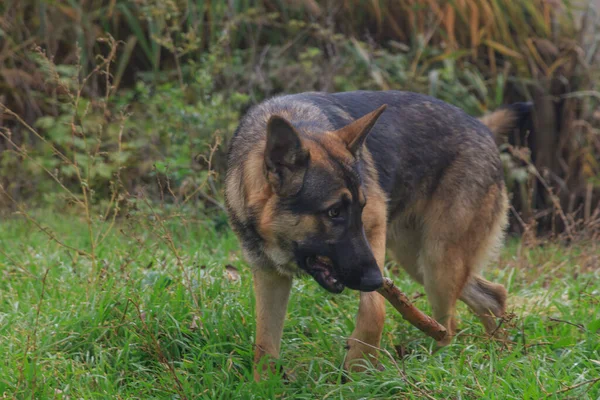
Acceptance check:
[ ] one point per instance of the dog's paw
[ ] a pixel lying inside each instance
(361, 357)
(360, 365)
(267, 368)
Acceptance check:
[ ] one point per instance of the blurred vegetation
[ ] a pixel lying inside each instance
(107, 101)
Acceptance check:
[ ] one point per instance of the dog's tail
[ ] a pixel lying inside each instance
(507, 118)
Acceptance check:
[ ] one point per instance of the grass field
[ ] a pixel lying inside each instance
(150, 311)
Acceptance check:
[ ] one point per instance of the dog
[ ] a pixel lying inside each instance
(325, 184)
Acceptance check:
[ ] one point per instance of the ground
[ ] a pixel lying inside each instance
(151, 311)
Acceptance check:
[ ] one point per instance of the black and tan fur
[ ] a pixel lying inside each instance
(351, 175)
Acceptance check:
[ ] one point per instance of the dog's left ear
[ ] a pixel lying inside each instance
(286, 159)
(355, 133)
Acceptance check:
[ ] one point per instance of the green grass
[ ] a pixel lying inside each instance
(125, 324)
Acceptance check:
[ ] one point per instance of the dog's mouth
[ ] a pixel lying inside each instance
(322, 270)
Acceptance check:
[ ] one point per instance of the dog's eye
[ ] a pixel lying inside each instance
(334, 212)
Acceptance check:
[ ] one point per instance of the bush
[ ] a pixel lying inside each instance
(146, 97)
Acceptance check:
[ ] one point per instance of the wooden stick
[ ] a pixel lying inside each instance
(409, 312)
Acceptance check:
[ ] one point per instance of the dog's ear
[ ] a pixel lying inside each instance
(355, 133)
(286, 159)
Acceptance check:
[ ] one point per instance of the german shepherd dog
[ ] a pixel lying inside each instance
(324, 183)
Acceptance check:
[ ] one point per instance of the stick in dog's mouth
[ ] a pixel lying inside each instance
(409, 312)
(322, 270)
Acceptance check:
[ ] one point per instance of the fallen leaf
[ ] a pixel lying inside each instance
(417, 295)
(194, 325)
(232, 273)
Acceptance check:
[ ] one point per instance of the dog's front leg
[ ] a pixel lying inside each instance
(364, 341)
(272, 291)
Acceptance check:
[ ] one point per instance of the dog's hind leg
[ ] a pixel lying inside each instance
(460, 237)
(272, 291)
(486, 299)
(444, 276)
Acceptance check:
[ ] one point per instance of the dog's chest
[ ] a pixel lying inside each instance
(281, 259)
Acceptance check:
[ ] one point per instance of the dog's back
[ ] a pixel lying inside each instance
(415, 141)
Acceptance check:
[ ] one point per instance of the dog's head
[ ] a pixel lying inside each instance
(316, 212)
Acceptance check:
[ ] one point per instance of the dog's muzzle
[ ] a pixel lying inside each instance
(323, 271)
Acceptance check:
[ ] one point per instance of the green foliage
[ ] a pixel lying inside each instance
(155, 321)
(178, 123)
(135, 97)
(156, 129)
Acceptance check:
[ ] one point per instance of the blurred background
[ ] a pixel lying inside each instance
(116, 105)
(119, 275)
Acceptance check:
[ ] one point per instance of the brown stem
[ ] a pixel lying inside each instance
(409, 312)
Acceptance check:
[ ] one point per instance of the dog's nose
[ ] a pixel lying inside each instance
(371, 280)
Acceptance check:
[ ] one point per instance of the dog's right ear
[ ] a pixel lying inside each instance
(355, 133)
(286, 160)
